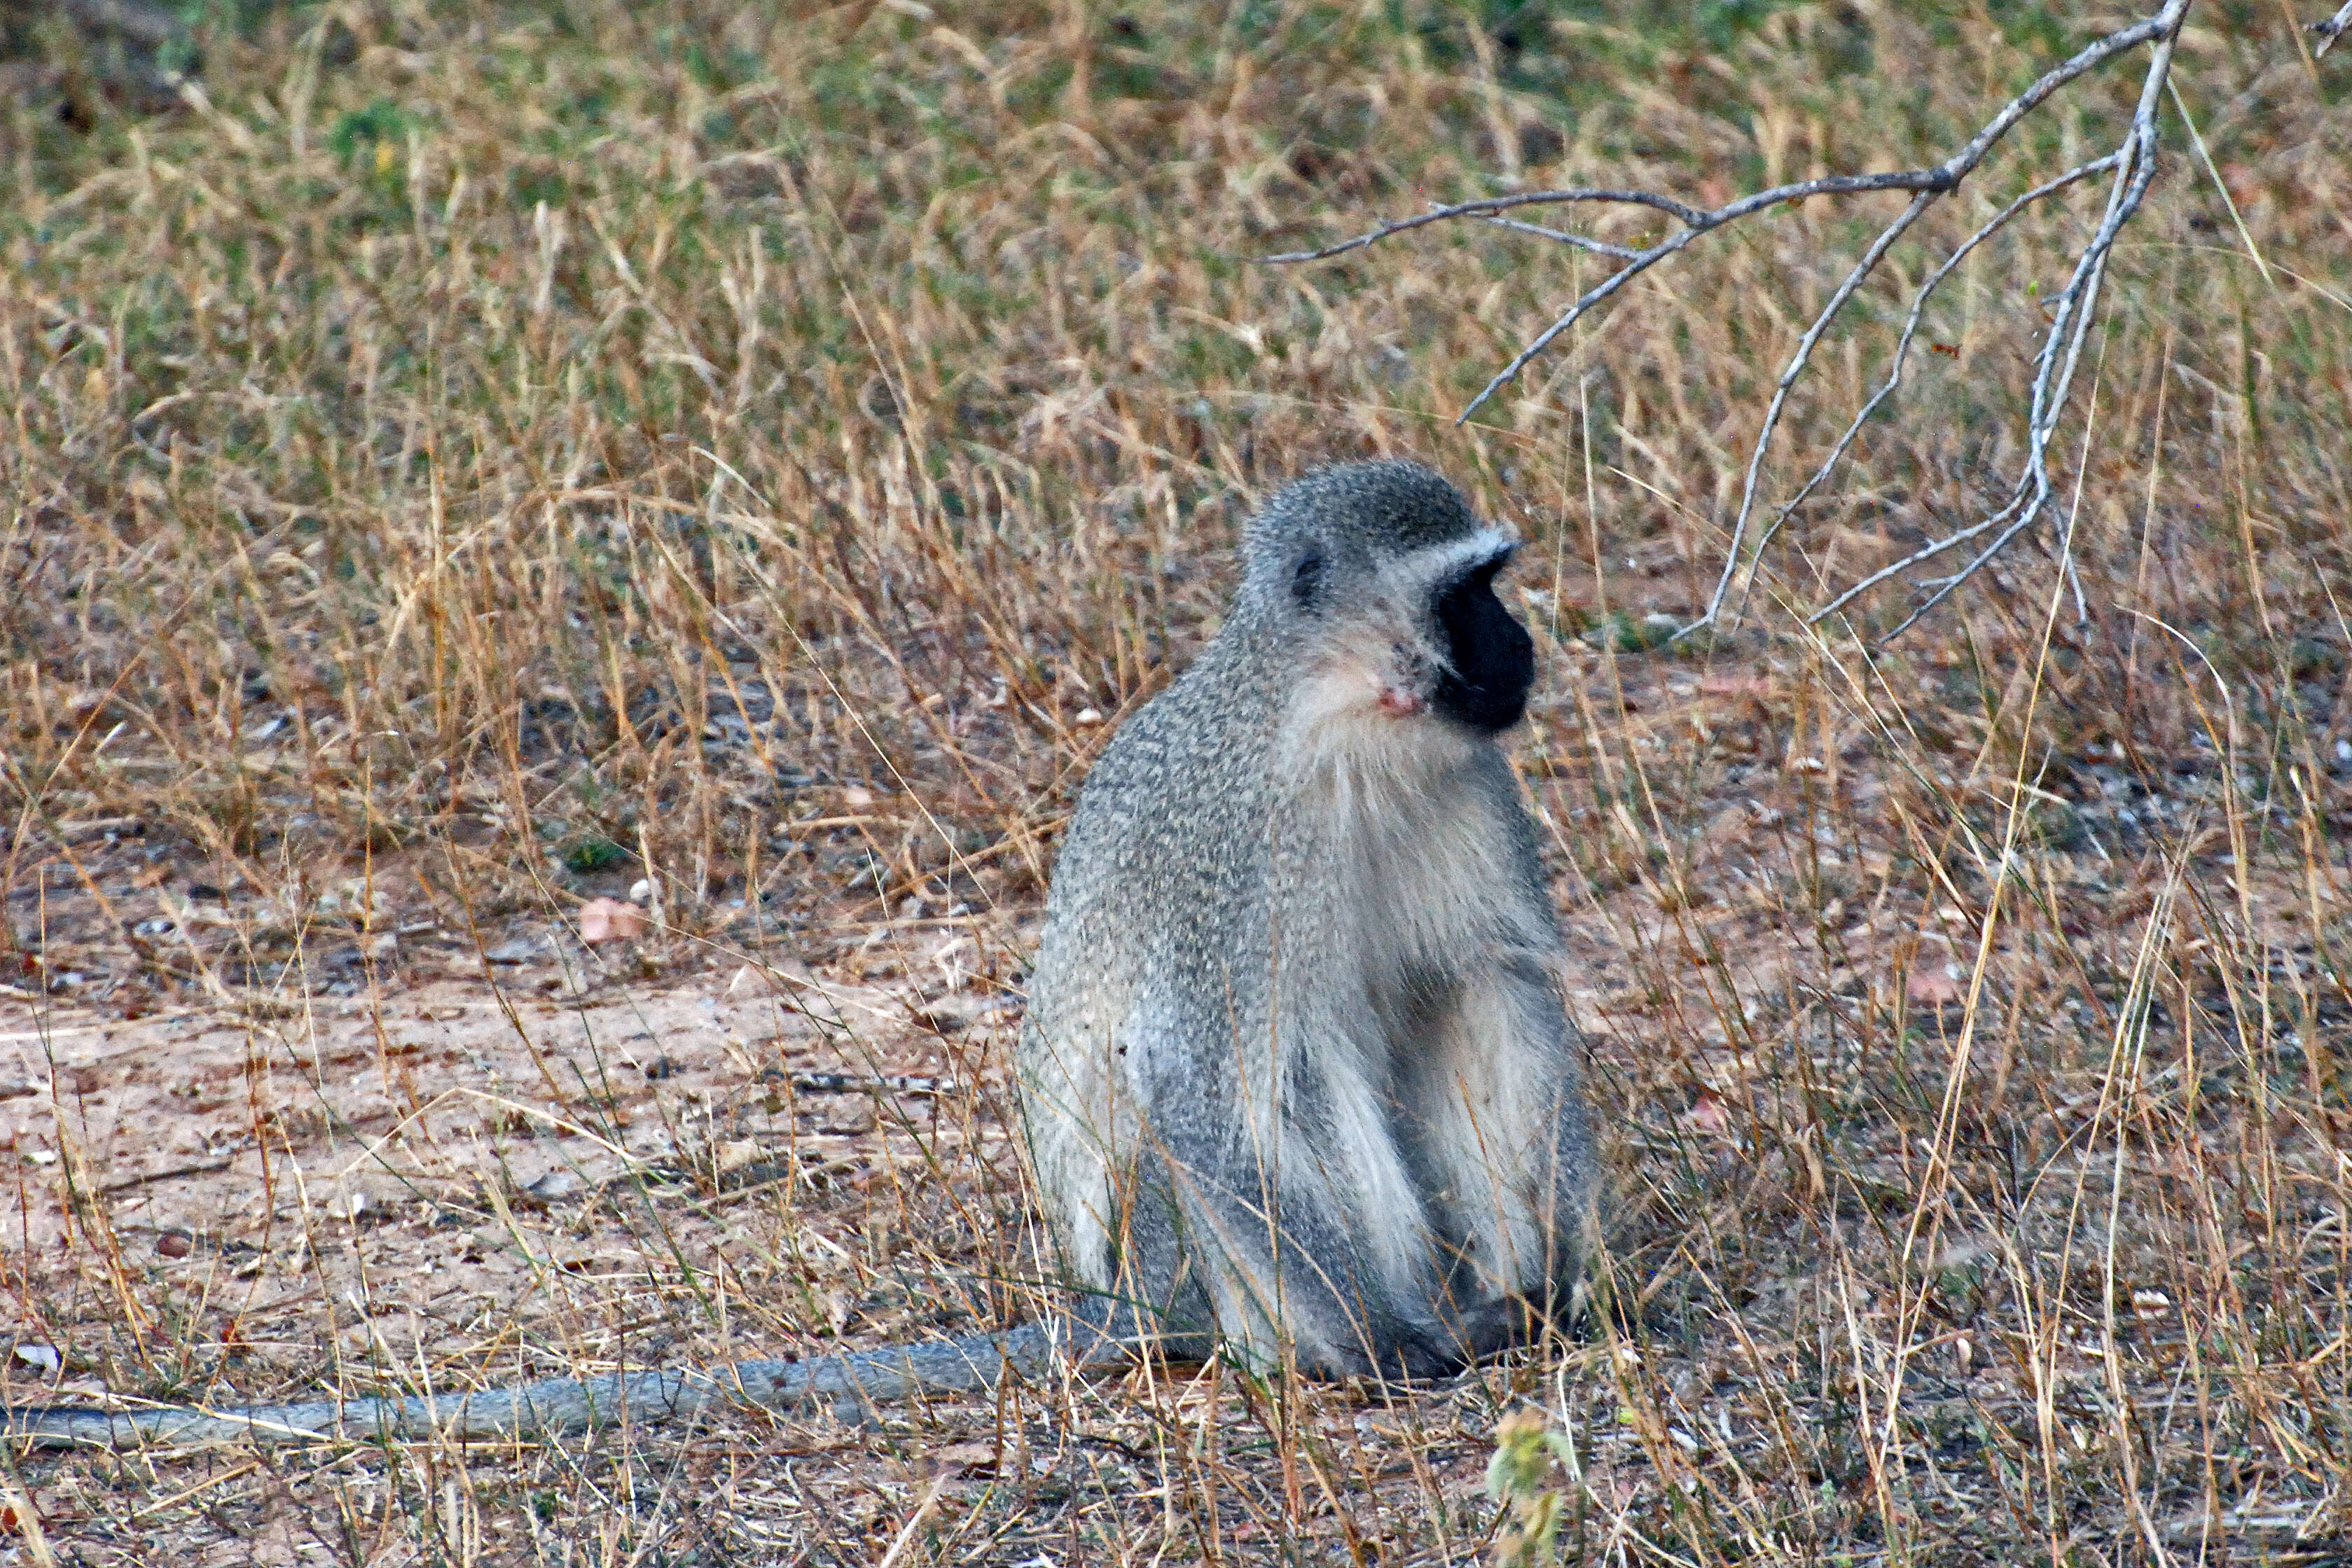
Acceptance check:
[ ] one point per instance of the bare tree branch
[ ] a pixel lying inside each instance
(1901, 358)
(2131, 166)
(1796, 367)
(2055, 374)
(1487, 205)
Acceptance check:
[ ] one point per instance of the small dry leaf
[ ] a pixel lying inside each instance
(172, 1244)
(858, 797)
(556, 1186)
(1932, 987)
(610, 920)
(734, 1154)
(1709, 1113)
(1727, 685)
(965, 1457)
(1727, 828)
(2151, 1305)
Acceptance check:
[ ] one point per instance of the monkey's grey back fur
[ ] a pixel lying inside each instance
(1297, 1070)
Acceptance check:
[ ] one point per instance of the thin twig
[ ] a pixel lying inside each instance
(865, 1083)
(1796, 367)
(2054, 375)
(1582, 242)
(1894, 379)
(1487, 205)
(174, 1172)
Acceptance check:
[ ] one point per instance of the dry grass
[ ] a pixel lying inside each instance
(474, 459)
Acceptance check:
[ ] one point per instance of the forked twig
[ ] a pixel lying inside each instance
(2130, 167)
(1901, 358)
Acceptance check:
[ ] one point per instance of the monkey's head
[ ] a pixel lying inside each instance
(1382, 579)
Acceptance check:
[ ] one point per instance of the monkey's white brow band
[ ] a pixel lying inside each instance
(1477, 550)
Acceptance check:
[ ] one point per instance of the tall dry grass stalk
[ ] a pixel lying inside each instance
(469, 459)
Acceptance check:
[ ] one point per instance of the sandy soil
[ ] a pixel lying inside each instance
(449, 1141)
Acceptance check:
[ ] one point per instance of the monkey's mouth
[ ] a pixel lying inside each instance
(1366, 682)
(1407, 679)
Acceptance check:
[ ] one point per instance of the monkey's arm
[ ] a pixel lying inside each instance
(1093, 1336)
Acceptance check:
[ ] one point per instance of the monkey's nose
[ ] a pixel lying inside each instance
(1400, 701)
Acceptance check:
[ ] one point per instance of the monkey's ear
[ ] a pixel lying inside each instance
(1307, 578)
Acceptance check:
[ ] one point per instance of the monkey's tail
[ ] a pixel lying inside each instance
(1092, 1336)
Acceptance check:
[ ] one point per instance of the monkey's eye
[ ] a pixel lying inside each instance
(1306, 578)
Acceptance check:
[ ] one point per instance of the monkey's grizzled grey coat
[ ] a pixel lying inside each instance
(1296, 1065)
(1295, 1069)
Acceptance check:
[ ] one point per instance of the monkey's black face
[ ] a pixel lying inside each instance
(1494, 658)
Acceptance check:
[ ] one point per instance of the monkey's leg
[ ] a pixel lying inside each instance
(1497, 1125)
(1175, 1186)
(1285, 1262)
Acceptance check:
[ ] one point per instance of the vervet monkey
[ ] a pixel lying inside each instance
(1296, 1075)
(1297, 1070)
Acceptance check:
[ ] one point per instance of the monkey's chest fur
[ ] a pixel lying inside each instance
(1295, 1067)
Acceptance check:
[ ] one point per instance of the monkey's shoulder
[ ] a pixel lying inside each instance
(1191, 764)
(1164, 859)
